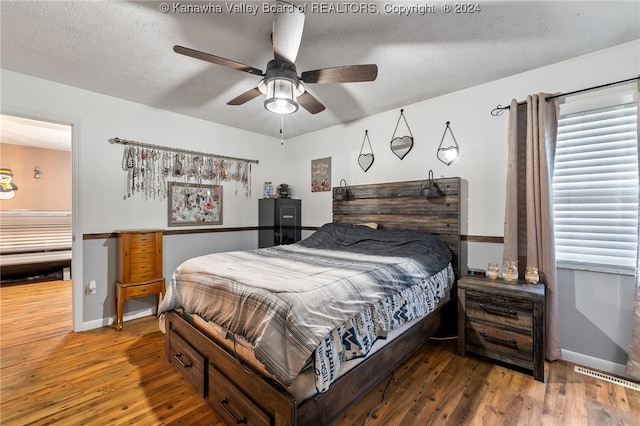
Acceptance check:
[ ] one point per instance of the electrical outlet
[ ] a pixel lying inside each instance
(91, 287)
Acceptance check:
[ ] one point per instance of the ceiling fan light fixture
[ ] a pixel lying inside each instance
(281, 96)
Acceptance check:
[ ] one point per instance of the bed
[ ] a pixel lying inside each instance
(34, 242)
(255, 336)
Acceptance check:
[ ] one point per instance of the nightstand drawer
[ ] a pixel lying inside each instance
(144, 247)
(138, 238)
(144, 289)
(499, 309)
(146, 257)
(143, 276)
(497, 340)
(141, 272)
(138, 268)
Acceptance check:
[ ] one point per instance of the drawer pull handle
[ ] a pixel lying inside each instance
(499, 341)
(178, 358)
(498, 311)
(225, 405)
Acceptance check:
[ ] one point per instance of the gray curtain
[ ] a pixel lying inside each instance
(633, 364)
(528, 228)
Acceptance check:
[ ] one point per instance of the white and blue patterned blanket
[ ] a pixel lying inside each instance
(337, 291)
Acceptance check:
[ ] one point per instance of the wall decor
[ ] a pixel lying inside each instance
(449, 153)
(268, 190)
(401, 146)
(321, 175)
(7, 187)
(150, 168)
(366, 160)
(190, 204)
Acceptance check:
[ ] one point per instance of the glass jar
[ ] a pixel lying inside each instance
(493, 271)
(531, 275)
(510, 270)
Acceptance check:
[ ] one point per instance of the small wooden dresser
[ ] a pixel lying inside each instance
(139, 267)
(503, 321)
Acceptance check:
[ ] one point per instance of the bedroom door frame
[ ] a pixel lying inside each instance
(76, 220)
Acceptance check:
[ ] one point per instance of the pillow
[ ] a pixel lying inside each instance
(371, 225)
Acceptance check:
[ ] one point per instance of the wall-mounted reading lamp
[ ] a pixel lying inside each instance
(430, 188)
(342, 193)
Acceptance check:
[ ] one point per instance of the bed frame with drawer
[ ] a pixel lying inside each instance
(239, 394)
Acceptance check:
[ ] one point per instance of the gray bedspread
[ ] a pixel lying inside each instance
(287, 300)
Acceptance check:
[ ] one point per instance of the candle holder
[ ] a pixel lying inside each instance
(531, 275)
(510, 270)
(493, 271)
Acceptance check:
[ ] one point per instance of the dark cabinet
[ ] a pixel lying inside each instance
(279, 221)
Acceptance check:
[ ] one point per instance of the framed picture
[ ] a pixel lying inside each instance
(321, 175)
(190, 204)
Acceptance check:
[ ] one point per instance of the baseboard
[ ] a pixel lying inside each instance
(104, 322)
(595, 363)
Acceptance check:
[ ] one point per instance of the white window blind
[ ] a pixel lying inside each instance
(595, 189)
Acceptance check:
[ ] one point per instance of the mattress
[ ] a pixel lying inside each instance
(329, 298)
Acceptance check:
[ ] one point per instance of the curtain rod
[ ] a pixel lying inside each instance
(178, 150)
(499, 110)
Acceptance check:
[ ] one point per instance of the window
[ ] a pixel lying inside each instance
(595, 185)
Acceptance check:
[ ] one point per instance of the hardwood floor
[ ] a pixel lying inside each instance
(50, 375)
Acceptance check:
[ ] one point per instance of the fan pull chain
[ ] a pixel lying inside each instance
(282, 130)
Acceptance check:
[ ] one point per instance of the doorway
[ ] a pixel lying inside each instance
(36, 201)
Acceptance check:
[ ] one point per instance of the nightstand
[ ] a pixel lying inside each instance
(139, 268)
(503, 321)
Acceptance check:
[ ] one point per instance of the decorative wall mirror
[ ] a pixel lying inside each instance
(447, 154)
(366, 160)
(401, 146)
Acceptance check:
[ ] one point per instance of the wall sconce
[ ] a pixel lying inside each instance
(37, 172)
(450, 153)
(342, 193)
(430, 189)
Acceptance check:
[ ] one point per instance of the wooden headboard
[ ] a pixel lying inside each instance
(400, 205)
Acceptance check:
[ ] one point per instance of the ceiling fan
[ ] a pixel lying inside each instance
(283, 88)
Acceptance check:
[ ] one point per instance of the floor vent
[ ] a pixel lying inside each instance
(608, 378)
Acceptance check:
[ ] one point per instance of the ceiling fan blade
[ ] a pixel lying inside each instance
(288, 23)
(245, 97)
(345, 74)
(310, 103)
(216, 60)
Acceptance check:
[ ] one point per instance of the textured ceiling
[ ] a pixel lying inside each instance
(124, 49)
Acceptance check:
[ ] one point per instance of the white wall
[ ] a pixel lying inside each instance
(595, 310)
